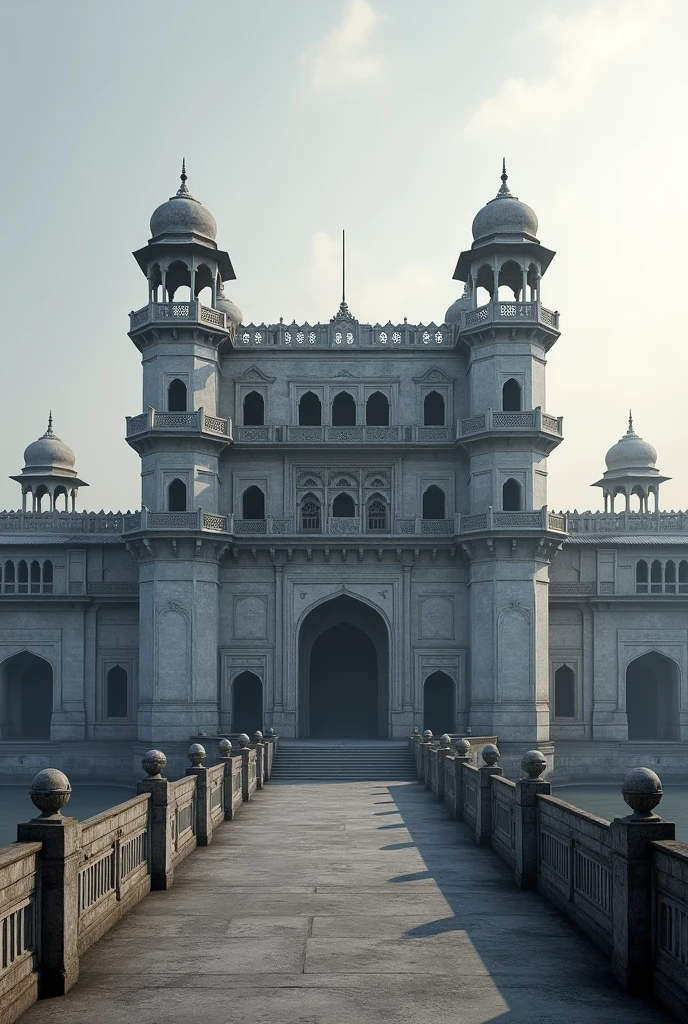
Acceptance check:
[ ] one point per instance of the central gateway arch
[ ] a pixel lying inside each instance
(343, 671)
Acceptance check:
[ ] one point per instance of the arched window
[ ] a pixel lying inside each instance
(343, 507)
(9, 581)
(433, 410)
(47, 576)
(310, 410)
(343, 410)
(377, 410)
(511, 396)
(564, 692)
(22, 578)
(253, 503)
(176, 396)
(377, 515)
(176, 496)
(641, 577)
(35, 576)
(683, 577)
(670, 577)
(434, 503)
(656, 577)
(117, 693)
(27, 691)
(310, 514)
(438, 703)
(247, 703)
(511, 496)
(254, 409)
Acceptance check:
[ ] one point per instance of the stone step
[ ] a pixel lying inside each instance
(336, 762)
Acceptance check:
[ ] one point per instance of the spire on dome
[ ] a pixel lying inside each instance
(183, 190)
(504, 188)
(630, 422)
(49, 431)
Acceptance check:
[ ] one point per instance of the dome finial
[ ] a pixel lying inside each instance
(630, 422)
(504, 188)
(183, 190)
(50, 424)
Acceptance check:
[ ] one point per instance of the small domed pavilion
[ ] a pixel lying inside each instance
(49, 473)
(631, 469)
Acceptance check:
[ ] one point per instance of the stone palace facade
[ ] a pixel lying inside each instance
(344, 531)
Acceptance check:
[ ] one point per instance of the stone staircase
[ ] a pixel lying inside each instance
(343, 761)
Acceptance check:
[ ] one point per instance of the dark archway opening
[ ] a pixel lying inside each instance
(176, 396)
(433, 503)
(253, 504)
(564, 692)
(247, 703)
(439, 712)
(343, 410)
(511, 496)
(377, 410)
(652, 698)
(27, 697)
(343, 671)
(254, 410)
(433, 410)
(511, 396)
(310, 410)
(343, 507)
(176, 496)
(117, 696)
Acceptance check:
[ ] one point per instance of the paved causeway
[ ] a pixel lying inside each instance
(325, 904)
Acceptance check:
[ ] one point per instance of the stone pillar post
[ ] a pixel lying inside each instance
(444, 750)
(245, 752)
(483, 819)
(224, 757)
(461, 757)
(632, 839)
(423, 755)
(160, 842)
(57, 890)
(204, 822)
(259, 747)
(533, 764)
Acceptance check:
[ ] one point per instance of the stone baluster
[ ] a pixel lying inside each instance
(527, 828)
(483, 820)
(270, 750)
(462, 756)
(442, 753)
(224, 757)
(632, 839)
(245, 751)
(160, 841)
(204, 823)
(423, 761)
(56, 884)
(259, 748)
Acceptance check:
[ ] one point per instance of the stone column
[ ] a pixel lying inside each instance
(533, 764)
(160, 841)
(461, 757)
(245, 752)
(444, 750)
(259, 747)
(483, 820)
(57, 881)
(632, 839)
(204, 823)
(224, 757)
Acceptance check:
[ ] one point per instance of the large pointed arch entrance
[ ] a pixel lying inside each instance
(652, 689)
(343, 671)
(26, 697)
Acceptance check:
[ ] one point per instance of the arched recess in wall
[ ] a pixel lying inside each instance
(117, 692)
(564, 692)
(343, 410)
(176, 396)
(511, 496)
(176, 496)
(377, 410)
(652, 697)
(511, 396)
(254, 409)
(310, 410)
(343, 507)
(247, 703)
(434, 503)
(439, 703)
(253, 503)
(433, 410)
(26, 697)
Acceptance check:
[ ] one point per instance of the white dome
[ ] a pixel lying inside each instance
(631, 453)
(49, 452)
(183, 215)
(505, 215)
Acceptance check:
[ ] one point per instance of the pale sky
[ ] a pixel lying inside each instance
(386, 117)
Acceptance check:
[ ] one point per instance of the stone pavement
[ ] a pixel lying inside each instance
(346, 902)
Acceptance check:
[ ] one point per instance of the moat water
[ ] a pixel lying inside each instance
(603, 800)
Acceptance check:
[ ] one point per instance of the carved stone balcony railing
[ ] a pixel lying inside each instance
(525, 420)
(327, 434)
(196, 422)
(627, 522)
(343, 334)
(535, 519)
(509, 313)
(198, 521)
(178, 313)
(61, 522)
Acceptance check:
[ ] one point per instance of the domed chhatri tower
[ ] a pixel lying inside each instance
(507, 436)
(181, 333)
(631, 470)
(49, 476)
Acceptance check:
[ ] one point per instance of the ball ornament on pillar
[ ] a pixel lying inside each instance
(50, 791)
(490, 754)
(462, 747)
(534, 763)
(225, 747)
(257, 736)
(154, 761)
(244, 739)
(445, 741)
(642, 791)
(270, 733)
(427, 736)
(197, 754)
(416, 731)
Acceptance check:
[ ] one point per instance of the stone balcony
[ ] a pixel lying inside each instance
(509, 314)
(530, 519)
(586, 524)
(197, 521)
(197, 422)
(182, 313)
(524, 421)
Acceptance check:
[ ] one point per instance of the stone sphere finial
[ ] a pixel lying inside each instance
(416, 731)
(490, 754)
(225, 747)
(197, 754)
(257, 736)
(463, 747)
(270, 732)
(427, 735)
(445, 740)
(533, 763)
(642, 791)
(153, 763)
(244, 739)
(50, 791)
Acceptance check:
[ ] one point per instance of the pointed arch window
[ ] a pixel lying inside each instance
(253, 503)
(310, 410)
(254, 410)
(670, 577)
(176, 496)
(343, 507)
(22, 578)
(511, 396)
(683, 577)
(377, 410)
(117, 693)
(641, 577)
(564, 692)
(10, 578)
(310, 514)
(433, 409)
(377, 515)
(343, 410)
(656, 577)
(176, 396)
(434, 503)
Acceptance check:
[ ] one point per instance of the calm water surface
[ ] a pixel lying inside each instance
(607, 802)
(16, 806)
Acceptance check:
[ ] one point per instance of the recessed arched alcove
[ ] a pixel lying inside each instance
(247, 703)
(439, 706)
(343, 671)
(652, 697)
(26, 697)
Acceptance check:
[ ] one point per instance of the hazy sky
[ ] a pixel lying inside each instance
(387, 117)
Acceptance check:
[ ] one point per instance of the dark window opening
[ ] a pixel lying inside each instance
(254, 410)
(343, 410)
(511, 496)
(117, 696)
(564, 692)
(247, 704)
(176, 396)
(433, 503)
(433, 410)
(377, 410)
(176, 496)
(343, 507)
(641, 577)
(310, 516)
(253, 503)
(310, 410)
(438, 704)
(511, 396)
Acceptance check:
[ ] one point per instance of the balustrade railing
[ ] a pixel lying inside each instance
(509, 312)
(61, 522)
(525, 419)
(627, 522)
(344, 335)
(173, 521)
(196, 421)
(19, 927)
(177, 312)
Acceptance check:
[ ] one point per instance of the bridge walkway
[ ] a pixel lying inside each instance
(334, 902)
